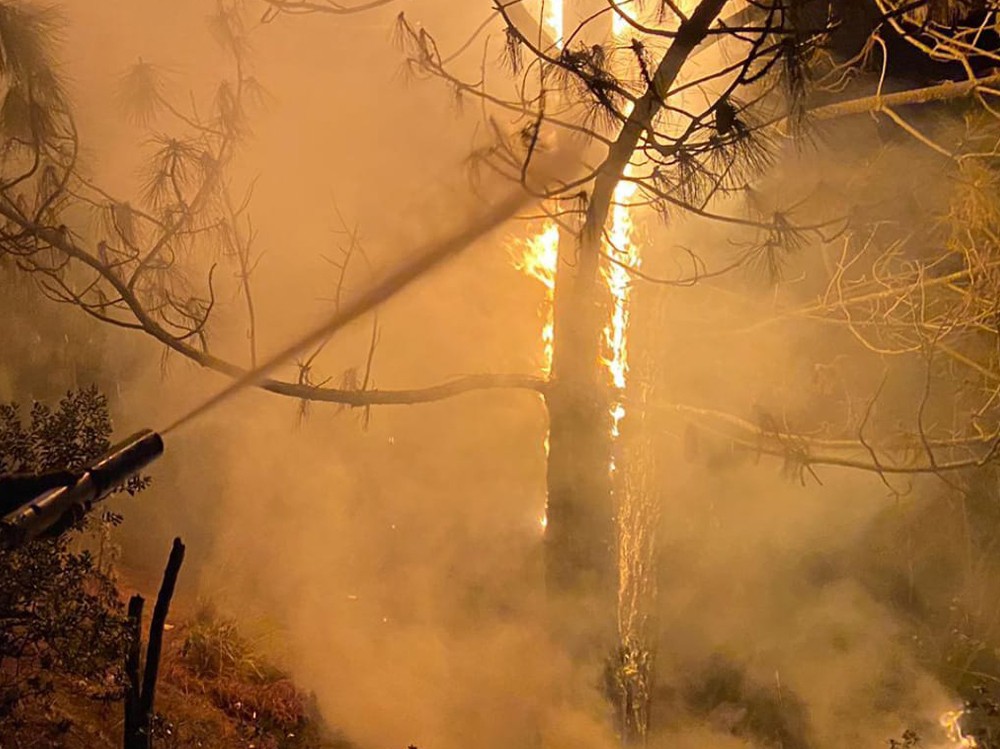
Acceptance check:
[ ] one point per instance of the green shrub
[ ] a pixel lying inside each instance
(61, 620)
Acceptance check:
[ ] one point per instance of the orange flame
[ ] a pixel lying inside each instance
(622, 254)
(553, 20)
(537, 258)
(620, 244)
(625, 252)
(951, 722)
(540, 254)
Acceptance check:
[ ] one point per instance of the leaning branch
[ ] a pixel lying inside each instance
(65, 244)
(948, 91)
(898, 457)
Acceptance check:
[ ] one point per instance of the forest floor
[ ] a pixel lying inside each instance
(214, 692)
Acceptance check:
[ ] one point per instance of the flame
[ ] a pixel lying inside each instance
(553, 20)
(540, 254)
(620, 242)
(951, 722)
(619, 22)
(619, 246)
(538, 258)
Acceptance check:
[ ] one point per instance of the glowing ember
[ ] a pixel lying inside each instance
(951, 722)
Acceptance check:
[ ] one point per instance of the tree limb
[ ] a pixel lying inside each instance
(66, 245)
(942, 92)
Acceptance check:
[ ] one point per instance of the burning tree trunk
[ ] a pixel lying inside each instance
(580, 532)
(580, 526)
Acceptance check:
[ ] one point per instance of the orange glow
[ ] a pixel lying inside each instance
(620, 246)
(950, 721)
(537, 258)
(553, 20)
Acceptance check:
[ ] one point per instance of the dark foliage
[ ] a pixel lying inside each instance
(725, 696)
(61, 621)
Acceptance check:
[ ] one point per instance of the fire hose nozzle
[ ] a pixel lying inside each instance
(73, 501)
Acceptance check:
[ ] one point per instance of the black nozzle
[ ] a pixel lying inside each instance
(53, 510)
(125, 459)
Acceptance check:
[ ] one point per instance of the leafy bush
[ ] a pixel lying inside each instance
(61, 619)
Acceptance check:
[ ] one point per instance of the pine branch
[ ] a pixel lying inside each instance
(66, 245)
(941, 92)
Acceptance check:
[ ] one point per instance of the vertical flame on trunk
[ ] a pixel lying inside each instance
(540, 254)
(620, 243)
(552, 20)
(537, 257)
(622, 253)
(620, 246)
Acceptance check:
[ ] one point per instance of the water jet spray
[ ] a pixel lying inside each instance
(54, 509)
(416, 266)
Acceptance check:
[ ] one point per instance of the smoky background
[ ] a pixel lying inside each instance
(393, 563)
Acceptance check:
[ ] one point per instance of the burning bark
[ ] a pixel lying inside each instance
(581, 531)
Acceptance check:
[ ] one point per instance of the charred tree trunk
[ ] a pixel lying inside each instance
(160, 610)
(581, 534)
(139, 697)
(132, 664)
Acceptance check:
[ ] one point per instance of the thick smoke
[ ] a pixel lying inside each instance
(391, 559)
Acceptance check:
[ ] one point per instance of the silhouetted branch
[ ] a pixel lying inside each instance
(156, 624)
(140, 698)
(948, 91)
(296, 390)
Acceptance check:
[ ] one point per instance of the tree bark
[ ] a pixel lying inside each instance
(947, 91)
(133, 739)
(156, 624)
(580, 539)
(139, 697)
